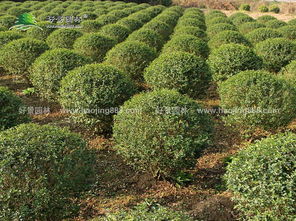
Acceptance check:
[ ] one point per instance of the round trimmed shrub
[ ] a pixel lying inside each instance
(226, 37)
(272, 100)
(218, 20)
(169, 18)
(262, 178)
(237, 15)
(276, 53)
(11, 109)
(118, 32)
(291, 22)
(100, 11)
(215, 29)
(71, 12)
(190, 30)
(130, 23)
(288, 31)
(63, 38)
(147, 36)
(40, 34)
(7, 20)
(131, 57)
(141, 16)
(49, 68)
(17, 11)
(187, 43)
(262, 34)
(93, 88)
(18, 55)
(275, 24)
(94, 45)
(231, 59)
(185, 72)
(274, 8)
(88, 15)
(245, 7)
(154, 139)
(160, 27)
(107, 19)
(8, 36)
(289, 73)
(266, 18)
(214, 13)
(118, 13)
(242, 19)
(90, 26)
(247, 27)
(263, 8)
(147, 211)
(192, 22)
(43, 169)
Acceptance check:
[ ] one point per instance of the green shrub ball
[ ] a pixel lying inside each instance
(7, 21)
(262, 178)
(289, 73)
(217, 28)
(131, 57)
(95, 86)
(158, 141)
(288, 31)
(40, 34)
(63, 38)
(118, 32)
(8, 36)
(190, 30)
(42, 169)
(261, 91)
(231, 59)
(265, 18)
(185, 72)
(90, 26)
(48, 70)
(276, 53)
(17, 56)
(187, 43)
(275, 24)
(11, 109)
(261, 34)
(226, 37)
(94, 45)
(130, 23)
(247, 27)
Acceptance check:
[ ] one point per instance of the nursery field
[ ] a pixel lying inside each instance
(121, 111)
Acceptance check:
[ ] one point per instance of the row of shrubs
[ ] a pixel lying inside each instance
(262, 8)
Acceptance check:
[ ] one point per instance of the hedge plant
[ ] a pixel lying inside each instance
(247, 27)
(118, 32)
(48, 70)
(96, 91)
(43, 169)
(151, 137)
(131, 57)
(265, 18)
(275, 24)
(190, 30)
(130, 23)
(261, 34)
(226, 37)
(12, 109)
(8, 36)
(18, 55)
(276, 53)
(288, 31)
(90, 26)
(7, 20)
(289, 73)
(262, 178)
(182, 71)
(272, 100)
(63, 38)
(215, 29)
(94, 45)
(40, 34)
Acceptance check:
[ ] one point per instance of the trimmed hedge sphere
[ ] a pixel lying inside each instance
(226, 37)
(272, 99)
(92, 88)
(289, 73)
(147, 36)
(250, 26)
(118, 32)
(49, 68)
(190, 30)
(130, 23)
(18, 55)
(276, 53)
(187, 43)
(275, 24)
(238, 15)
(7, 20)
(218, 20)
(94, 45)
(154, 139)
(266, 18)
(242, 19)
(261, 34)
(288, 31)
(90, 26)
(292, 22)
(107, 19)
(187, 73)
(147, 211)
(231, 59)
(11, 109)
(263, 8)
(17, 11)
(262, 178)
(63, 38)
(40, 34)
(131, 57)
(215, 29)
(8, 36)
(42, 169)
(192, 22)
(160, 27)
